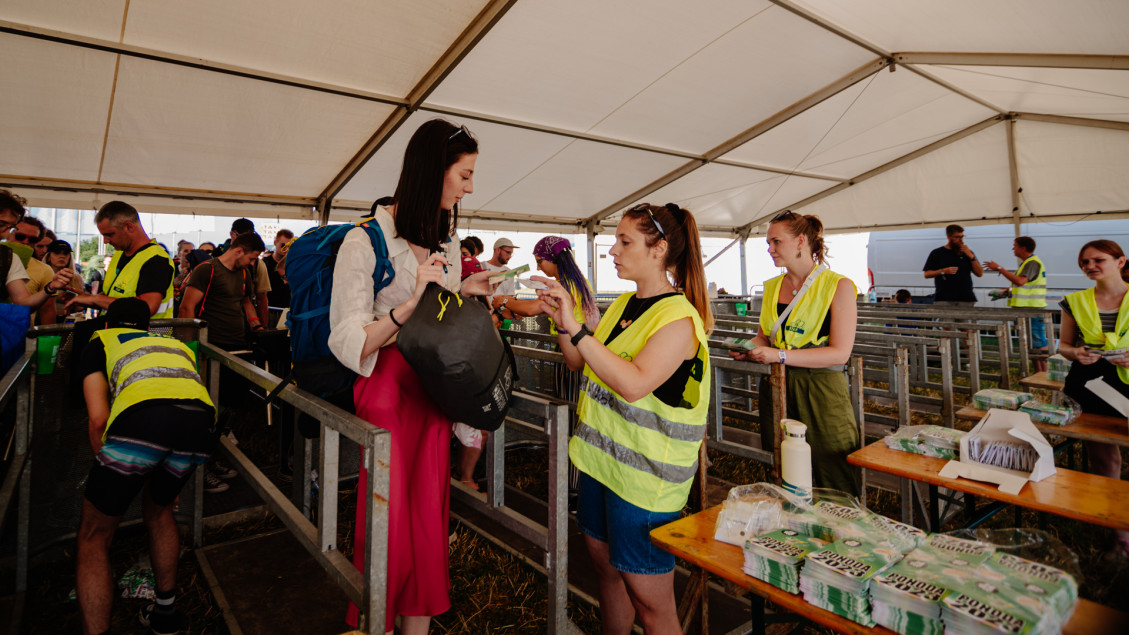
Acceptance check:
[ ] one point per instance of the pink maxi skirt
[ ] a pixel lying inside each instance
(393, 398)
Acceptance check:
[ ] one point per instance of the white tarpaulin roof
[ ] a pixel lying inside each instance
(870, 113)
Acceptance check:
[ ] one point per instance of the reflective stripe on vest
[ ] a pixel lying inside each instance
(1084, 309)
(142, 367)
(801, 330)
(645, 451)
(124, 283)
(1034, 293)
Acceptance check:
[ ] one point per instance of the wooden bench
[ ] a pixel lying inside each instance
(1041, 381)
(1086, 497)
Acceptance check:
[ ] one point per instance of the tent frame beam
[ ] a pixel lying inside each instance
(886, 167)
(812, 100)
(472, 35)
(1073, 121)
(154, 55)
(1038, 60)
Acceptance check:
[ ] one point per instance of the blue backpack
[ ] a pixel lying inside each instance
(309, 271)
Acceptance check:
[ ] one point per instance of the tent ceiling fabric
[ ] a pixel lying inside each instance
(736, 109)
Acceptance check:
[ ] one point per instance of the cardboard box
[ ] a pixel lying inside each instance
(1003, 425)
(1116, 400)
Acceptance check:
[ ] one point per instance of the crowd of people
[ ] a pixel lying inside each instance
(640, 372)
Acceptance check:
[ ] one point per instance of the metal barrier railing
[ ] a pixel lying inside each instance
(367, 588)
(16, 384)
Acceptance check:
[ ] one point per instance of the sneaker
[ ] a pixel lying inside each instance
(222, 470)
(212, 483)
(161, 622)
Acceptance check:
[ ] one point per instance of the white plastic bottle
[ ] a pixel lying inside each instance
(795, 459)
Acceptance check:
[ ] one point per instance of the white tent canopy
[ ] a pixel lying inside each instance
(871, 113)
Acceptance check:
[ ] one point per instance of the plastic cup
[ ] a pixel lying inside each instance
(741, 308)
(507, 323)
(47, 351)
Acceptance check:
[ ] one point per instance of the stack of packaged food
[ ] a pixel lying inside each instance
(776, 557)
(1000, 398)
(943, 443)
(837, 577)
(1057, 367)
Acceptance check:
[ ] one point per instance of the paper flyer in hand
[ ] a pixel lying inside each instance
(506, 275)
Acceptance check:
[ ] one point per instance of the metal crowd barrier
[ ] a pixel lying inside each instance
(16, 384)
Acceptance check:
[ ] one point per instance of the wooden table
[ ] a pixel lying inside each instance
(691, 539)
(1040, 380)
(1088, 427)
(1090, 498)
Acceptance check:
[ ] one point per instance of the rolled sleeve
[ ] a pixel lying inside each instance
(351, 308)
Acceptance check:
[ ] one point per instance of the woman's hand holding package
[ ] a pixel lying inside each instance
(1084, 355)
(478, 284)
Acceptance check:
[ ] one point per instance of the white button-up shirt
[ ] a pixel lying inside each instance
(353, 306)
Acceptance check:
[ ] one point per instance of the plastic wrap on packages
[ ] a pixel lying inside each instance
(929, 440)
(1000, 398)
(1057, 415)
(1057, 367)
(1031, 544)
(753, 510)
(831, 510)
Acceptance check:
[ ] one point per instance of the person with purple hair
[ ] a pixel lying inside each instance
(554, 258)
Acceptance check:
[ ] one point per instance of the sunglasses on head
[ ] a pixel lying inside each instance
(461, 130)
(646, 207)
(785, 215)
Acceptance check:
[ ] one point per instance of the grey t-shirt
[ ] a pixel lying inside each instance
(509, 287)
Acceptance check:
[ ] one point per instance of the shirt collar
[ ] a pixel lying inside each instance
(396, 244)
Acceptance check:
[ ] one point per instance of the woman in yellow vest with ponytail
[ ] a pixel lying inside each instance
(1095, 321)
(642, 410)
(807, 323)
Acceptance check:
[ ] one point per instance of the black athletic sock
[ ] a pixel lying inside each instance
(165, 600)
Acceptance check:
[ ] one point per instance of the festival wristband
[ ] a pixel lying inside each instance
(581, 334)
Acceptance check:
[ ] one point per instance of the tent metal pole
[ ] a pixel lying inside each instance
(1038, 60)
(1013, 173)
(590, 229)
(1073, 121)
(744, 264)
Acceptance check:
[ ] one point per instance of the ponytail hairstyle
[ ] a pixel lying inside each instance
(434, 147)
(1109, 248)
(808, 226)
(558, 250)
(684, 250)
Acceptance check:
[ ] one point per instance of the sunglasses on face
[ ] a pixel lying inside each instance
(25, 238)
(461, 130)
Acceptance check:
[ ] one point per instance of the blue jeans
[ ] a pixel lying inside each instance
(1038, 333)
(603, 515)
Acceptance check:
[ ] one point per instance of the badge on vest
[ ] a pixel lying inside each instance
(799, 327)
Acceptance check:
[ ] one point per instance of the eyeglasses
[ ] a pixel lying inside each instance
(646, 207)
(461, 130)
(21, 237)
(785, 215)
(6, 227)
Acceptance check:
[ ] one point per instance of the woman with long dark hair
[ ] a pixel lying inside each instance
(1096, 320)
(642, 415)
(807, 323)
(419, 229)
(555, 259)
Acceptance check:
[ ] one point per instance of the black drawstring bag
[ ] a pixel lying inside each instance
(465, 365)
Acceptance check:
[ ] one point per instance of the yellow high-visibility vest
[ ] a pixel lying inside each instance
(801, 329)
(124, 283)
(1084, 308)
(646, 451)
(1034, 293)
(141, 366)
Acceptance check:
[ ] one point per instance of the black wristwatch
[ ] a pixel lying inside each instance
(580, 334)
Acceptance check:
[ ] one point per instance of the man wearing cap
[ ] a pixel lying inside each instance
(140, 268)
(503, 302)
(151, 424)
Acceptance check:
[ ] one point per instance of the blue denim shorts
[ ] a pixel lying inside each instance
(1038, 333)
(603, 515)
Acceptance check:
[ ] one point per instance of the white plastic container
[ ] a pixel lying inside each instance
(795, 459)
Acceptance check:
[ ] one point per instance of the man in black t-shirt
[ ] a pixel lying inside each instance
(279, 294)
(951, 268)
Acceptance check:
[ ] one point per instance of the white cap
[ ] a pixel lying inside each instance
(504, 242)
(793, 428)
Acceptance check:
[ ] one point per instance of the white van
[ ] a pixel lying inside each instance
(896, 258)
